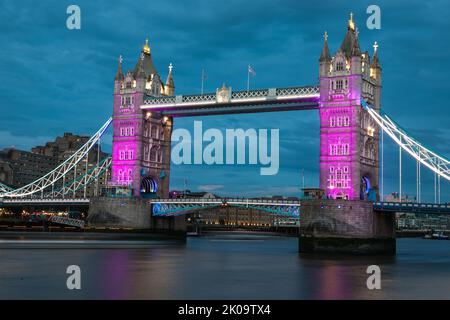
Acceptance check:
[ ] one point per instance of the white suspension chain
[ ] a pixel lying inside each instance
(60, 171)
(425, 156)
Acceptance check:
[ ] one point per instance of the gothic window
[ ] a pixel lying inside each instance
(332, 121)
(339, 85)
(146, 153)
(340, 66)
(346, 149)
(126, 101)
(160, 156)
(339, 121)
(346, 121)
(339, 149)
(154, 131)
(153, 154)
(339, 178)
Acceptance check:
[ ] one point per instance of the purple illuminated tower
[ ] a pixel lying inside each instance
(141, 141)
(349, 139)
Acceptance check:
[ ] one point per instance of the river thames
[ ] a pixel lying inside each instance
(223, 267)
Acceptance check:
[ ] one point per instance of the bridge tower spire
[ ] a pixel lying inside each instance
(169, 88)
(349, 140)
(141, 140)
(325, 57)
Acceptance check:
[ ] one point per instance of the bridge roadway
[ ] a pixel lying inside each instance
(43, 201)
(198, 203)
(226, 101)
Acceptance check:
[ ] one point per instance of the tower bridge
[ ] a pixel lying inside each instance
(348, 100)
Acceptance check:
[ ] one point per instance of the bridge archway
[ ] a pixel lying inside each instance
(149, 186)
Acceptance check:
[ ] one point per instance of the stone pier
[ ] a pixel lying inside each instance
(134, 213)
(345, 226)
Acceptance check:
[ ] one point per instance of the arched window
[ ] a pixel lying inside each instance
(154, 131)
(153, 154)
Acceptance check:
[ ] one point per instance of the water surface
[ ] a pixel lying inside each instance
(226, 267)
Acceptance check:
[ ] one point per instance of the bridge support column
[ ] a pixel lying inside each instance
(344, 226)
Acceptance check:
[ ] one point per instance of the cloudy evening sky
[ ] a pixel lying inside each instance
(54, 80)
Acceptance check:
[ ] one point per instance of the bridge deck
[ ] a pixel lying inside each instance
(43, 201)
(263, 100)
(407, 207)
(410, 207)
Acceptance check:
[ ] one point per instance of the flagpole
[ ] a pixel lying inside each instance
(248, 78)
(203, 77)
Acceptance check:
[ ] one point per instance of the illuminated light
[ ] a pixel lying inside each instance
(146, 47)
(370, 131)
(351, 24)
(148, 114)
(134, 83)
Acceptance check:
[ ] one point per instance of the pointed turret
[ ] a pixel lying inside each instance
(375, 62)
(119, 74)
(139, 70)
(375, 66)
(325, 55)
(350, 45)
(169, 88)
(356, 51)
(145, 61)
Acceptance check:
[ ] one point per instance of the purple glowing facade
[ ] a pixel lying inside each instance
(349, 140)
(141, 141)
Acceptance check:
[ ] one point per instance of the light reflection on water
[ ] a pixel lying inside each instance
(225, 268)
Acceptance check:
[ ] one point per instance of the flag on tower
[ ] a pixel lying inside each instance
(252, 72)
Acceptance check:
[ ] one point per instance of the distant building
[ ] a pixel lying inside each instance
(18, 167)
(234, 217)
(394, 197)
(413, 221)
(313, 193)
(174, 194)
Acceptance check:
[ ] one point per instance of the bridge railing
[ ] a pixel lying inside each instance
(272, 93)
(43, 200)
